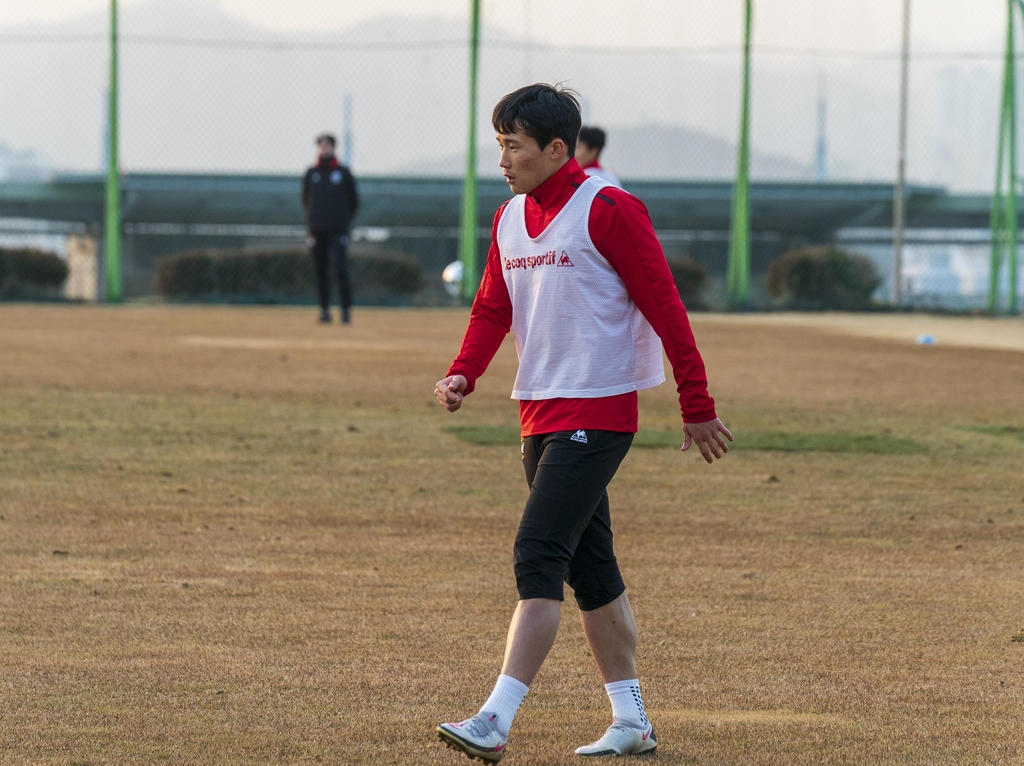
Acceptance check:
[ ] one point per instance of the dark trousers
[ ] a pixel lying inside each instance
(331, 248)
(566, 530)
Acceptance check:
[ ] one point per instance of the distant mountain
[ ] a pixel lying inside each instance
(232, 99)
(203, 91)
(650, 152)
(669, 151)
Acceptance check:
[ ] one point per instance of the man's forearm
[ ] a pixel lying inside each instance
(489, 323)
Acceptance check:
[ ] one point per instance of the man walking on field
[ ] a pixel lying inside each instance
(577, 273)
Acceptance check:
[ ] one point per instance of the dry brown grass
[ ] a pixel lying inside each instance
(230, 536)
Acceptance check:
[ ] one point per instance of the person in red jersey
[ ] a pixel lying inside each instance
(577, 274)
(589, 146)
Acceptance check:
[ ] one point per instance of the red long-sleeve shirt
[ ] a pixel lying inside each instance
(621, 229)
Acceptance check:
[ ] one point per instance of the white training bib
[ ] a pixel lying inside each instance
(578, 333)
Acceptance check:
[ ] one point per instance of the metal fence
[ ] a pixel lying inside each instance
(242, 88)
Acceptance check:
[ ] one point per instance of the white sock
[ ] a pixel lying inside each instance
(504, 702)
(627, 704)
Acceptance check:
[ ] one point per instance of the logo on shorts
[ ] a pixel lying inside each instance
(579, 436)
(564, 260)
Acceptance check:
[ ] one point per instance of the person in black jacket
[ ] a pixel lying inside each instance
(330, 198)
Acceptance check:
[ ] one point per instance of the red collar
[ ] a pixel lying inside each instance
(555, 191)
(594, 164)
(330, 165)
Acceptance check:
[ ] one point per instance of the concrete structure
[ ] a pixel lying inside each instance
(169, 213)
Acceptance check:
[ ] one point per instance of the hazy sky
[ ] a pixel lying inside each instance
(856, 24)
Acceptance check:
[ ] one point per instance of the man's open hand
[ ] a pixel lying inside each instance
(708, 438)
(451, 390)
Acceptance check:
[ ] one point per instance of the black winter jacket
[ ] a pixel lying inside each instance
(329, 196)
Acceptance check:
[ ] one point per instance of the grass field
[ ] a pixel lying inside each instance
(230, 536)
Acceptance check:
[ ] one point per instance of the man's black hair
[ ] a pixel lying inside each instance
(593, 137)
(543, 112)
(329, 138)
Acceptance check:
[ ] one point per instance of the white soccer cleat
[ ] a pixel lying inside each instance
(477, 737)
(622, 739)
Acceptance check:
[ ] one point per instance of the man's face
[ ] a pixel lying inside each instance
(525, 165)
(585, 154)
(325, 149)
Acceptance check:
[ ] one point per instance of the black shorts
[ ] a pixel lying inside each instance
(566, 531)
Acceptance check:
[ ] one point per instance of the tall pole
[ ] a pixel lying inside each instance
(998, 200)
(1012, 253)
(467, 232)
(112, 227)
(346, 129)
(899, 194)
(528, 34)
(738, 278)
(1004, 199)
(821, 150)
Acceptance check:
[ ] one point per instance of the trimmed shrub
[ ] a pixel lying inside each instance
(30, 273)
(691, 278)
(187, 275)
(280, 276)
(392, 272)
(825, 277)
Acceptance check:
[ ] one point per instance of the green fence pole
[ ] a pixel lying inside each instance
(467, 231)
(1004, 200)
(998, 209)
(1011, 200)
(112, 227)
(1013, 253)
(738, 279)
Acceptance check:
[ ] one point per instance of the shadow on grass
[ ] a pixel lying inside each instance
(877, 444)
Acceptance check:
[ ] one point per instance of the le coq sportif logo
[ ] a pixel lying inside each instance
(550, 258)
